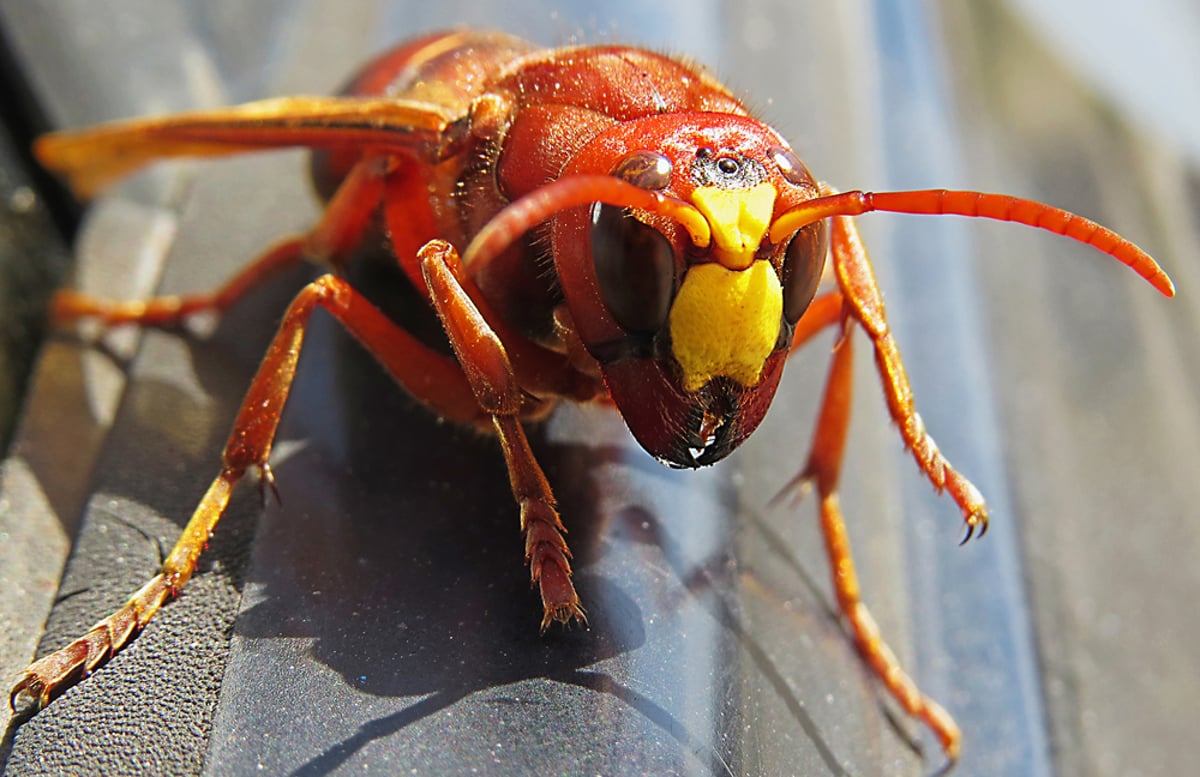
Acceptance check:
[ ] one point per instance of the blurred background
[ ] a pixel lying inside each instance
(379, 621)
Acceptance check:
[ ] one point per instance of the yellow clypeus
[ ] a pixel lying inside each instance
(725, 323)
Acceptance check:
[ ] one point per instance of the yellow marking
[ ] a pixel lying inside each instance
(739, 219)
(725, 322)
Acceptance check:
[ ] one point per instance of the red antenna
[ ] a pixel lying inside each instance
(1000, 207)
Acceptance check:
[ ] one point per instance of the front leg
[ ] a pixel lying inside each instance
(485, 362)
(857, 281)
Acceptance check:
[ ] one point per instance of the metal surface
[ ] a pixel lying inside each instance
(382, 622)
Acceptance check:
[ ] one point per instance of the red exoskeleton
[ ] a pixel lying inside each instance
(589, 224)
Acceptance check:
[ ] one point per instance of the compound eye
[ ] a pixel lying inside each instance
(635, 268)
(792, 169)
(645, 170)
(803, 264)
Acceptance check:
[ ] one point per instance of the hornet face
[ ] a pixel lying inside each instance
(691, 339)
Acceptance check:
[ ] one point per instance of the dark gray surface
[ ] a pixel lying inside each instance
(1099, 384)
(33, 259)
(386, 623)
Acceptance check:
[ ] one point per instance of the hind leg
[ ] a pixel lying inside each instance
(431, 377)
(339, 231)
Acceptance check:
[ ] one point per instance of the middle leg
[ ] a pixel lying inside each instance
(823, 469)
(485, 361)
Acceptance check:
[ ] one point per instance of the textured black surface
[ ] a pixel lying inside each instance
(33, 260)
(153, 709)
